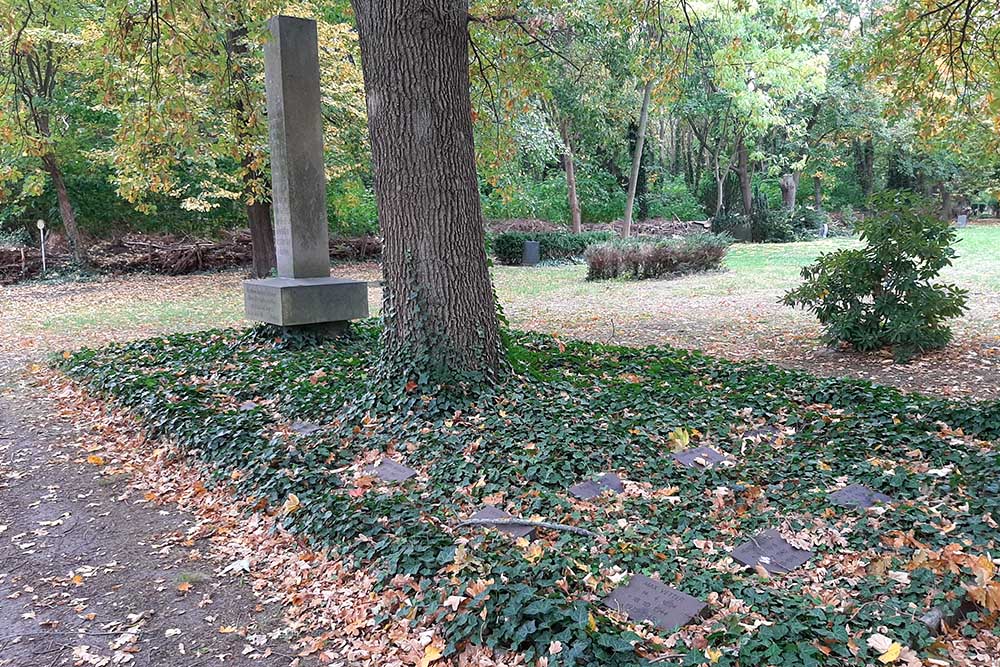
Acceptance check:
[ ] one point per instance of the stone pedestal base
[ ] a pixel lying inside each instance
(293, 302)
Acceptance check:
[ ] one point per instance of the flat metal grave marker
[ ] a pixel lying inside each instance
(646, 599)
(305, 428)
(770, 550)
(760, 432)
(702, 457)
(514, 530)
(595, 487)
(858, 495)
(392, 471)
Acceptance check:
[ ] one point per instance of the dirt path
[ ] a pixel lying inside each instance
(92, 574)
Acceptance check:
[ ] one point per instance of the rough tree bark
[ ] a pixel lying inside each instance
(637, 158)
(439, 309)
(818, 192)
(261, 238)
(76, 243)
(570, 168)
(789, 184)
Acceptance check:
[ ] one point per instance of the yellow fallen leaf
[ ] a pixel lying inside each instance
(431, 654)
(184, 586)
(77, 579)
(591, 623)
(892, 655)
(291, 504)
(96, 460)
(227, 629)
(713, 655)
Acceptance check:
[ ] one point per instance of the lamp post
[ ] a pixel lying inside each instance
(41, 232)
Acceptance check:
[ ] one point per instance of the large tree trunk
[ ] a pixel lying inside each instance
(637, 158)
(439, 309)
(570, 168)
(818, 192)
(76, 242)
(743, 171)
(789, 184)
(261, 238)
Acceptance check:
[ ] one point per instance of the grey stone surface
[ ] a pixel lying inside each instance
(857, 495)
(299, 301)
(305, 428)
(291, 69)
(491, 512)
(963, 220)
(595, 487)
(702, 457)
(392, 471)
(646, 599)
(531, 253)
(770, 550)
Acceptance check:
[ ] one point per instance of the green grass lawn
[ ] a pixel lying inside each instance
(754, 275)
(754, 268)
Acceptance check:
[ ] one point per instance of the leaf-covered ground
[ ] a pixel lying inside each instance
(238, 401)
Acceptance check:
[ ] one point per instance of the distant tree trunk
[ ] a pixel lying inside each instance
(637, 158)
(946, 206)
(439, 315)
(864, 164)
(789, 184)
(261, 238)
(569, 167)
(76, 242)
(818, 192)
(720, 189)
(743, 171)
(259, 212)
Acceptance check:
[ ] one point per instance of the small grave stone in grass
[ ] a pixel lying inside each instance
(857, 495)
(770, 550)
(391, 471)
(595, 487)
(645, 599)
(246, 406)
(305, 428)
(514, 530)
(701, 457)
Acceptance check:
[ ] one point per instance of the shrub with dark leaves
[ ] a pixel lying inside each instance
(642, 259)
(885, 294)
(508, 246)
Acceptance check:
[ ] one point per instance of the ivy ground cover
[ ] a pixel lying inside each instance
(292, 426)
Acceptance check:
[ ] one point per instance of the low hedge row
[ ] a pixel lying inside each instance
(640, 259)
(507, 246)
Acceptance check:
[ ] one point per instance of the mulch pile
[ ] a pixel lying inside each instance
(160, 253)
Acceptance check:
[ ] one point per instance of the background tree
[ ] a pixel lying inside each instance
(44, 51)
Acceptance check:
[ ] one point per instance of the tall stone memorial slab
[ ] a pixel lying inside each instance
(304, 293)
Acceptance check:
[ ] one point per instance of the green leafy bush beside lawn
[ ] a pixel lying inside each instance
(641, 259)
(885, 294)
(570, 412)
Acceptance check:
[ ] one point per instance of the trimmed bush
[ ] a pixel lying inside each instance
(641, 259)
(885, 294)
(507, 246)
